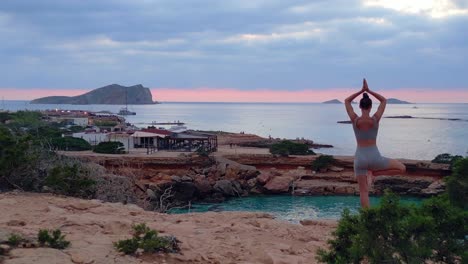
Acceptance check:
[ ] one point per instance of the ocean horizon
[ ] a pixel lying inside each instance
(420, 139)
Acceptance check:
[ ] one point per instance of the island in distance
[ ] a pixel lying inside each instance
(113, 94)
(396, 101)
(334, 101)
(389, 101)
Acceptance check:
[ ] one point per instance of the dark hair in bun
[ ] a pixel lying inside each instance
(365, 102)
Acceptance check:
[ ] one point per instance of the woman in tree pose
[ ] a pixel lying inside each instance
(367, 160)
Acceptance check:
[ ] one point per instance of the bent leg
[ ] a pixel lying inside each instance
(363, 190)
(394, 168)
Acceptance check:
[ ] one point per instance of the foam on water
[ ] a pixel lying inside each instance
(292, 208)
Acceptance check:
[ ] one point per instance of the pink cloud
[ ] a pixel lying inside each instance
(235, 95)
(263, 95)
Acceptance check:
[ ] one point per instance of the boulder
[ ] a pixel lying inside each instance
(250, 184)
(176, 178)
(151, 194)
(203, 186)
(279, 184)
(264, 177)
(186, 178)
(234, 170)
(185, 191)
(434, 188)
(227, 188)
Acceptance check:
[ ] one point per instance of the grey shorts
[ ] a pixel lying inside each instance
(369, 158)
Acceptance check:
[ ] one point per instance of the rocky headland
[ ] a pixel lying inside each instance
(213, 179)
(113, 94)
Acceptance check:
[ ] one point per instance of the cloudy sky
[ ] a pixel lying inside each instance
(236, 50)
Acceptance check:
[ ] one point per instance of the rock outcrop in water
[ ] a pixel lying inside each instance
(334, 101)
(396, 101)
(113, 94)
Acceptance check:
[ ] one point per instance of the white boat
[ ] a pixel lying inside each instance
(124, 112)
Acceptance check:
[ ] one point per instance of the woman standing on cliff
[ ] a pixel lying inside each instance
(367, 160)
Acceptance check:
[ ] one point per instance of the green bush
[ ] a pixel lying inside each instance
(53, 240)
(396, 233)
(447, 158)
(70, 144)
(322, 162)
(13, 152)
(436, 231)
(70, 180)
(14, 240)
(109, 147)
(286, 147)
(148, 240)
(457, 184)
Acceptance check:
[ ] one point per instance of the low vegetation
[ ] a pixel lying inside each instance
(110, 147)
(447, 158)
(322, 162)
(286, 148)
(14, 240)
(54, 240)
(71, 180)
(148, 241)
(70, 144)
(393, 232)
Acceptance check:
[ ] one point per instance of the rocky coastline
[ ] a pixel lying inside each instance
(192, 178)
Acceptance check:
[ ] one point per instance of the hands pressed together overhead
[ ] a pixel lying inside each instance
(365, 88)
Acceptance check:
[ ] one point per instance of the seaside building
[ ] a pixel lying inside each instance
(152, 139)
(70, 117)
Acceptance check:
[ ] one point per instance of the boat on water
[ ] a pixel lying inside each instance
(124, 112)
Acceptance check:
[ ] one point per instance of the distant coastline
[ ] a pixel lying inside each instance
(113, 94)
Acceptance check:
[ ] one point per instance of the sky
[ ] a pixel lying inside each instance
(236, 50)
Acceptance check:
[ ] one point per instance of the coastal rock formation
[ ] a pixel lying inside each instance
(396, 101)
(93, 226)
(113, 94)
(191, 178)
(334, 101)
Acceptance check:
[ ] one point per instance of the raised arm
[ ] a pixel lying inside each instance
(383, 103)
(349, 108)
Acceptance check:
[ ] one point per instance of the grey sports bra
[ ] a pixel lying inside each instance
(371, 133)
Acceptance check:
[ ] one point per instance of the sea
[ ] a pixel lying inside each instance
(293, 208)
(417, 138)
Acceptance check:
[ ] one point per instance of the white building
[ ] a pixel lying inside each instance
(93, 138)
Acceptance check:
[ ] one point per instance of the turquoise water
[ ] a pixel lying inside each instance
(292, 208)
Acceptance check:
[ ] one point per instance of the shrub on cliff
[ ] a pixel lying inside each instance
(286, 147)
(447, 158)
(72, 180)
(53, 240)
(322, 162)
(110, 147)
(70, 144)
(148, 240)
(393, 232)
(457, 184)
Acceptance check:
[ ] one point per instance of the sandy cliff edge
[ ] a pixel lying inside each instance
(92, 226)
